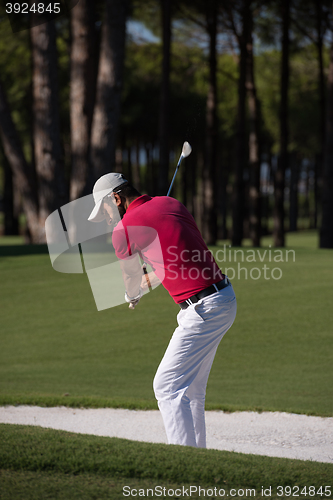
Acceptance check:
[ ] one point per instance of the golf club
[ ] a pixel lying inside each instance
(185, 152)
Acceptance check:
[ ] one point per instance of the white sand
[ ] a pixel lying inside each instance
(269, 433)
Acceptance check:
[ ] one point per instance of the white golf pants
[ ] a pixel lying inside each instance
(181, 379)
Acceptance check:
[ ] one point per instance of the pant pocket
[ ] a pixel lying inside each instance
(198, 310)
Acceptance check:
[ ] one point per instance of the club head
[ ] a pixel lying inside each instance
(185, 152)
(186, 149)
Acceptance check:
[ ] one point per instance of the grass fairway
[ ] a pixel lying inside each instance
(277, 356)
(40, 463)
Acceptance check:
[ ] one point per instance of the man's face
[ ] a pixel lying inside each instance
(109, 213)
(111, 204)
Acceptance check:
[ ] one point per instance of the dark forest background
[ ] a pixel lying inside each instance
(119, 85)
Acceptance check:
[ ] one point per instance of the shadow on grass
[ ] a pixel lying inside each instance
(16, 250)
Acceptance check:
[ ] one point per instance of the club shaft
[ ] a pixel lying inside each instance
(174, 175)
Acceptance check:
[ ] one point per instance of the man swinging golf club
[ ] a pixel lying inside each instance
(193, 279)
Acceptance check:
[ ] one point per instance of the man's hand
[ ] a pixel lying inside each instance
(133, 301)
(145, 284)
(152, 278)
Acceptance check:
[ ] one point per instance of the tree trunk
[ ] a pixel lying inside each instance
(279, 184)
(46, 128)
(266, 198)
(184, 184)
(240, 160)
(187, 172)
(129, 165)
(164, 119)
(326, 230)
(82, 91)
(198, 203)
(109, 85)
(317, 167)
(136, 167)
(223, 182)
(25, 179)
(209, 228)
(293, 193)
(192, 166)
(11, 226)
(119, 160)
(322, 102)
(149, 184)
(254, 144)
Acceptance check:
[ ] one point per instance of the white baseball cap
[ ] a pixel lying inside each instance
(104, 186)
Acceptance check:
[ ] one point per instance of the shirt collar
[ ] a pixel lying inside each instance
(138, 201)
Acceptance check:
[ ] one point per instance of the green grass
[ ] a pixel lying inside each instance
(277, 356)
(57, 349)
(11, 240)
(38, 463)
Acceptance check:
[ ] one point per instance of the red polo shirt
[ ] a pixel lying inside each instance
(166, 236)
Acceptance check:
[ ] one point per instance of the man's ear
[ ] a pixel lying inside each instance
(117, 199)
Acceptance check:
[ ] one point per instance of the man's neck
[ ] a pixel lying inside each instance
(129, 201)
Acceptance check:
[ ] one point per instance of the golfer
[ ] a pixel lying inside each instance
(191, 276)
